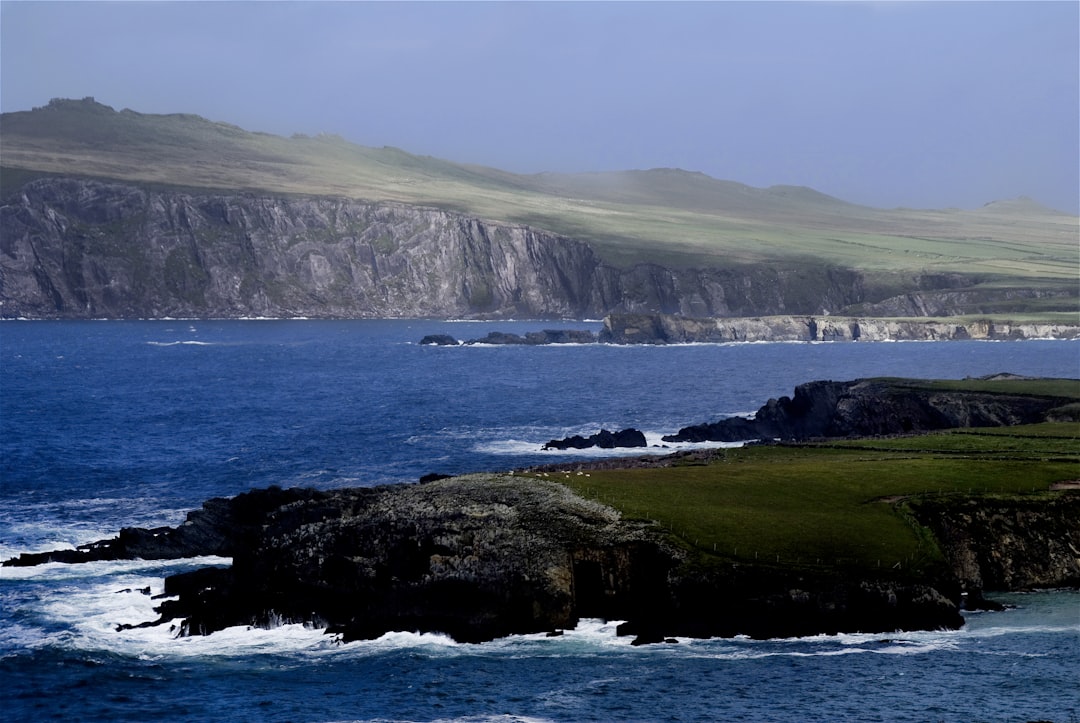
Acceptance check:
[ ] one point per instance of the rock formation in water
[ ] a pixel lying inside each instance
(874, 407)
(219, 527)
(531, 338)
(673, 329)
(73, 248)
(602, 439)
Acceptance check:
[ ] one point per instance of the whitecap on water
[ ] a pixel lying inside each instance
(113, 570)
(533, 445)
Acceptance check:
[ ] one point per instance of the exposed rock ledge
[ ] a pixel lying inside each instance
(671, 329)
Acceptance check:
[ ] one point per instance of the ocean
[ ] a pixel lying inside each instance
(106, 424)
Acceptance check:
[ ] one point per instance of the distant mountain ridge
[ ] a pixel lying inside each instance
(686, 224)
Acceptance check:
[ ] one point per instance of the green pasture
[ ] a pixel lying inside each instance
(1065, 389)
(835, 504)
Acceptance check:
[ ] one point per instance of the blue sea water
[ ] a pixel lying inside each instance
(112, 424)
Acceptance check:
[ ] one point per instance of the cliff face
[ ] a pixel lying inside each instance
(86, 249)
(1012, 543)
(669, 329)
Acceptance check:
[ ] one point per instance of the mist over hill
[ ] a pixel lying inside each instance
(118, 213)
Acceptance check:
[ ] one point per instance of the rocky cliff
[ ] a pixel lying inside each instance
(870, 407)
(74, 248)
(1007, 543)
(671, 329)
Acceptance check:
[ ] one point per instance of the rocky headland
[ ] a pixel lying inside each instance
(875, 407)
(484, 556)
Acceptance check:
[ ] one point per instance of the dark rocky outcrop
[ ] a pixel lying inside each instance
(479, 557)
(219, 527)
(475, 557)
(602, 439)
(438, 340)
(763, 602)
(484, 556)
(873, 407)
(76, 248)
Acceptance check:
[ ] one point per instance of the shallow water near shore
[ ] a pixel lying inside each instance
(112, 424)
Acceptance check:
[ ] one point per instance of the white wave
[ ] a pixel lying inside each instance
(181, 343)
(83, 611)
(827, 646)
(589, 635)
(998, 631)
(654, 440)
(80, 571)
(80, 607)
(47, 526)
(86, 603)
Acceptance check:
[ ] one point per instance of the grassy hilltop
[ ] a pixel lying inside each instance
(668, 216)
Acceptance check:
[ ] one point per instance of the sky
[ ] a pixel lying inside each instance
(887, 104)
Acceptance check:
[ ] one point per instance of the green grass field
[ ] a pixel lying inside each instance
(834, 504)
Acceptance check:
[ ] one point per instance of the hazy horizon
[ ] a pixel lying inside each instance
(920, 105)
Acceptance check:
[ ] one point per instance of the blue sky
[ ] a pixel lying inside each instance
(918, 104)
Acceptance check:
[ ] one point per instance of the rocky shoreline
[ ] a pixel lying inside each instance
(488, 555)
(674, 329)
(484, 556)
(660, 329)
